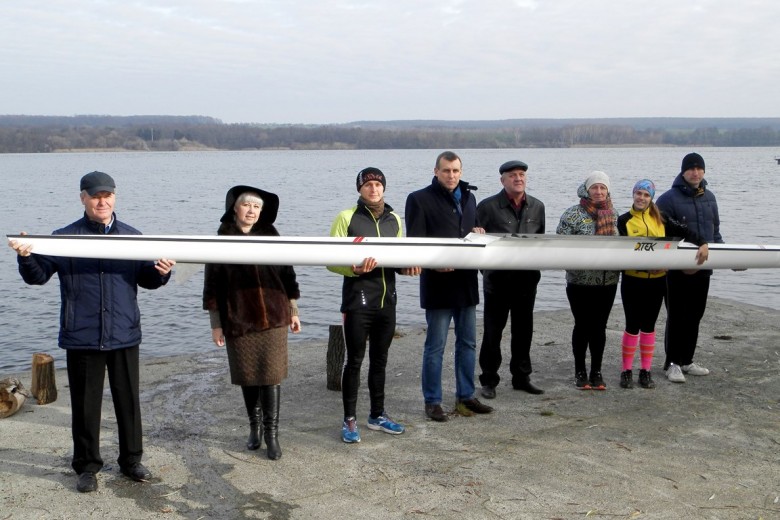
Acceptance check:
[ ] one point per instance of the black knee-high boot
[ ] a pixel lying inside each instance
(269, 400)
(252, 402)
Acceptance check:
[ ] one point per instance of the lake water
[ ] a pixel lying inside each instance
(183, 193)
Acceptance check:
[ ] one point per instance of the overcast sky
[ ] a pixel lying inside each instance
(309, 61)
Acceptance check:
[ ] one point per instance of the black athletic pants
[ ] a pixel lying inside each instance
(86, 374)
(378, 327)
(685, 305)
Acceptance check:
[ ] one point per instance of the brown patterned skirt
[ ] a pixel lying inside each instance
(258, 358)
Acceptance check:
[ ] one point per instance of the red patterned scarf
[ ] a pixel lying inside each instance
(603, 214)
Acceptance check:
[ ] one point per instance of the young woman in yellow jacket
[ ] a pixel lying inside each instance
(643, 292)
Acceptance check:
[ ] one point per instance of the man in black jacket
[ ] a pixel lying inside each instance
(447, 209)
(510, 211)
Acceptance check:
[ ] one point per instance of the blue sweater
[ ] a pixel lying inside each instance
(99, 306)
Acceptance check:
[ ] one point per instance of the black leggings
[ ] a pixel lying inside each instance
(642, 300)
(590, 306)
(377, 326)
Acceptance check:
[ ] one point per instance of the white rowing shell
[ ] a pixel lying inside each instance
(473, 252)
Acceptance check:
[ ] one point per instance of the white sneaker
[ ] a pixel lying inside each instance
(695, 370)
(674, 374)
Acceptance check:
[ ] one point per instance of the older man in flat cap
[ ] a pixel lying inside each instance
(512, 210)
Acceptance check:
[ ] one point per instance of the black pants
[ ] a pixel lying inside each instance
(86, 374)
(590, 306)
(685, 305)
(642, 300)
(498, 306)
(378, 326)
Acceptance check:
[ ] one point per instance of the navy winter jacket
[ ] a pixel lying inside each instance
(99, 307)
(431, 212)
(697, 210)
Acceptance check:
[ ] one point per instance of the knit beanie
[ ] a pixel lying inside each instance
(647, 185)
(690, 161)
(370, 174)
(597, 177)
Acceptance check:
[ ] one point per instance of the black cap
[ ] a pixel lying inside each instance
(691, 161)
(270, 204)
(513, 165)
(370, 174)
(95, 182)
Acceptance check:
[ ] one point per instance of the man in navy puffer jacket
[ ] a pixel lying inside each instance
(100, 327)
(693, 204)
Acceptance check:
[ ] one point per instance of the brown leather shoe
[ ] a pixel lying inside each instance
(475, 406)
(434, 412)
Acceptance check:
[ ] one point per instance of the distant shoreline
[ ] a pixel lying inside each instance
(44, 134)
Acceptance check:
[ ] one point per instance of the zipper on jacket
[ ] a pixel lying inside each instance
(384, 282)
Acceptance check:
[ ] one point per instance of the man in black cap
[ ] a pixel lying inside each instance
(100, 328)
(690, 202)
(510, 211)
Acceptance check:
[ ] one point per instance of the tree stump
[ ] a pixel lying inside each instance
(336, 348)
(44, 385)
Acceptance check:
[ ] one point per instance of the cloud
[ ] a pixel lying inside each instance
(335, 61)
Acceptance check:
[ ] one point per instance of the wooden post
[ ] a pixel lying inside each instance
(335, 356)
(44, 386)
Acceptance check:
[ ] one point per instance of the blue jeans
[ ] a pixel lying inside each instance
(465, 319)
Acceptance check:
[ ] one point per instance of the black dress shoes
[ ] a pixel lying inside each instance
(137, 472)
(528, 386)
(87, 482)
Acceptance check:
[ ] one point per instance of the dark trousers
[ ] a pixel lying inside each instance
(497, 309)
(86, 374)
(642, 300)
(377, 326)
(590, 306)
(685, 305)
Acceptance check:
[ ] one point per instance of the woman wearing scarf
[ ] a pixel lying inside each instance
(250, 309)
(368, 302)
(590, 293)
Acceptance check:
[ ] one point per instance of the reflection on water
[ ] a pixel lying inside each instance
(183, 193)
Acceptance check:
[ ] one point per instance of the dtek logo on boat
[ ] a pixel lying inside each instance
(645, 246)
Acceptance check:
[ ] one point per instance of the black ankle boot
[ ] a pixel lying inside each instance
(269, 401)
(253, 410)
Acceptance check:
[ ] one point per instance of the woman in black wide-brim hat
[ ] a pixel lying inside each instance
(251, 308)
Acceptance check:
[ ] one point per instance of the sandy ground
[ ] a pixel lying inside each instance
(706, 449)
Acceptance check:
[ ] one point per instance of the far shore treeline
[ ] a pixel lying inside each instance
(37, 134)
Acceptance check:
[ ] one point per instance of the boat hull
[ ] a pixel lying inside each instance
(473, 252)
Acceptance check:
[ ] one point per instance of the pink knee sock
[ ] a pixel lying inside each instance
(629, 348)
(646, 348)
